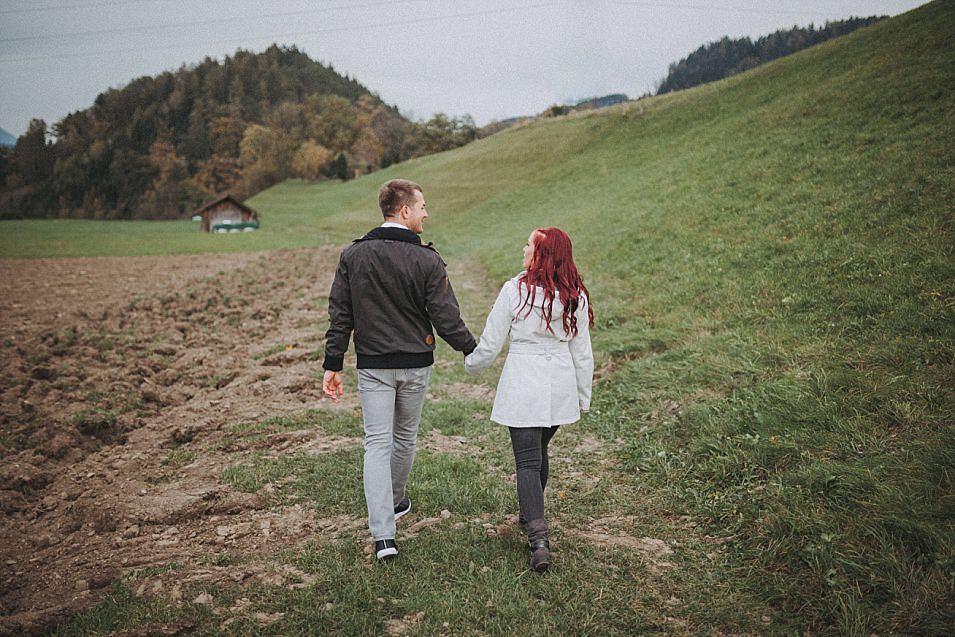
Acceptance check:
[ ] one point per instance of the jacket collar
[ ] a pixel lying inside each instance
(392, 234)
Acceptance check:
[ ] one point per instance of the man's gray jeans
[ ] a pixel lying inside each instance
(391, 403)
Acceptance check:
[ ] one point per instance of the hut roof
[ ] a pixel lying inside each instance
(224, 198)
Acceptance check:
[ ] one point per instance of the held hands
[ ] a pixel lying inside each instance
(332, 385)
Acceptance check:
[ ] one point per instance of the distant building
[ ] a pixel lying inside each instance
(227, 214)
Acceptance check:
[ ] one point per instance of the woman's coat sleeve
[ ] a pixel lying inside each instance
(583, 356)
(496, 329)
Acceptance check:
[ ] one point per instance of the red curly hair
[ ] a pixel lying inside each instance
(552, 268)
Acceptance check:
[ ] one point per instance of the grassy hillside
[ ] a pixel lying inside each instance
(771, 263)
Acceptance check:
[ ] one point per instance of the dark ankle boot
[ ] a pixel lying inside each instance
(537, 545)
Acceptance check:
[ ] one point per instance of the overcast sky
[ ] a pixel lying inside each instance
(488, 58)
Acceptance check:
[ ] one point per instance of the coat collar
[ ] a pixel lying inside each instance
(392, 234)
(398, 234)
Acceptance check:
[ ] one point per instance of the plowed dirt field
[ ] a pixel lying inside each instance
(123, 380)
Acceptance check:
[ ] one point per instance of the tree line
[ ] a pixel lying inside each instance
(160, 146)
(726, 57)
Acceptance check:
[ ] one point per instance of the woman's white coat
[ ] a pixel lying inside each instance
(547, 377)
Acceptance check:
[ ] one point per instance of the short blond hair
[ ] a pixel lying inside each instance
(396, 193)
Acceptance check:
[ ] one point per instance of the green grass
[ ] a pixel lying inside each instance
(771, 263)
(88, 238)
(337, 423)
(181, 457)
(476, 586)
(455, 417)
(305, 479)
(123, 610)
(441, 482)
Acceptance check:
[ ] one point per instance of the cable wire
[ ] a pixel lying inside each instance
(699, 7)
(91, 5)
(159, 27)
(278, 36)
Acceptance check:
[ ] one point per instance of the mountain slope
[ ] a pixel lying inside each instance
(159, 146)
(771, 259)
(726, 57)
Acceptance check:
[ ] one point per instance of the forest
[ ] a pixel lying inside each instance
(727, 56)
(161, 146)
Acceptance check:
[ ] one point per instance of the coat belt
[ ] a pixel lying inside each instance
(540, 349)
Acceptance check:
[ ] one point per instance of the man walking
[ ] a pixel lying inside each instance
(390, 289)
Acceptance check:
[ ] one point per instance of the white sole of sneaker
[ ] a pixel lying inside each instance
(387, 554)
(403, 513)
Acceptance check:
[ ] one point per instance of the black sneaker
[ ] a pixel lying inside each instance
(403, 507)
(385, 549)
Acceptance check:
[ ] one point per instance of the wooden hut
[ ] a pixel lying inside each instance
(227, 214)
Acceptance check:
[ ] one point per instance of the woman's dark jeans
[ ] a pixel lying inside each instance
(530, 456)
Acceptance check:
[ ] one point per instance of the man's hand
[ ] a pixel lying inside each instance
(332, 385)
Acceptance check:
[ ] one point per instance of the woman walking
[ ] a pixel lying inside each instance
(545, 312)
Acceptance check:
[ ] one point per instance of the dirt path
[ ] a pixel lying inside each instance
(110, 368)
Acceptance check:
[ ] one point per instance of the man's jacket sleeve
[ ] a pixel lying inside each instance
(444, 313)
(341, 320)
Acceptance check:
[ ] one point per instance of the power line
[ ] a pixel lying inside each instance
(278, 36)
(75, 6)
(700, 7)
(159, 27)
(89, 5)
(115, 3)
(313, 11)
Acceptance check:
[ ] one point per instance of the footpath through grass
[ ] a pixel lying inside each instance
(771, 263)
(463, 565)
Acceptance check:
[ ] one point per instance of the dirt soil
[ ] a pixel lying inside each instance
(121, 380)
